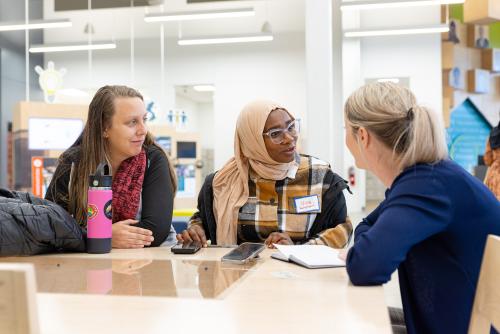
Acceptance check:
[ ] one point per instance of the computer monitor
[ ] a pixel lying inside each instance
(186, 150)
(53, 133)
(165, 143)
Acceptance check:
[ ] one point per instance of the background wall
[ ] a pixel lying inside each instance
(417, 57)
(192, 112)
(12, 69)
(275, 70)
(240, 74)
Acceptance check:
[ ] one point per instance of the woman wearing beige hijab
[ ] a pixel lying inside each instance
(268, 192)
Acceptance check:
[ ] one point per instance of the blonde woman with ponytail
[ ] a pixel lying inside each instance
(434, 220)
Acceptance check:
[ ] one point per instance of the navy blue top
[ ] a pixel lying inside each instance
(432, 227)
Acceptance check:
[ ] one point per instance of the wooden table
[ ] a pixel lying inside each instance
(155, 291)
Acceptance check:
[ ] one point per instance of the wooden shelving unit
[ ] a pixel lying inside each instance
(468, 71)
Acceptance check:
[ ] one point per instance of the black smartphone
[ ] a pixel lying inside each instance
(244, 252)
(186, 247)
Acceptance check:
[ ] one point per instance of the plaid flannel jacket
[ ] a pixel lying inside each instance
(309, 206)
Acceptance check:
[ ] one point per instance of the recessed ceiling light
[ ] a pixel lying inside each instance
(351, 5)
(398, 31)
(71, 47)
(226, 39)
(35, 24)
(199, 15)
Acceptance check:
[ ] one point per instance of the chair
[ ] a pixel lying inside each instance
(486, 309)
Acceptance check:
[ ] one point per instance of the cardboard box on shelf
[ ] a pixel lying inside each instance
(478, 81)
(478, 36)
(454, 78)
(446, 111)
(481, 11)
(449, 93)
(457, 34)
(447, 55)
(491, 60)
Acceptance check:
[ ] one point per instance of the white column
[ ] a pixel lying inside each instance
(26, 49)
(333, 68)
(324, 129)
(352, 69)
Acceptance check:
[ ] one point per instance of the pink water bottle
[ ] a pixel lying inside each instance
(99, 213)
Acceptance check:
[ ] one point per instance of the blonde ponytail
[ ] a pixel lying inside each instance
(391, 113)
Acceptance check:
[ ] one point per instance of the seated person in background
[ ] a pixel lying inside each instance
(144, 182)
(268, 192)
(433, 223)
(492, 160)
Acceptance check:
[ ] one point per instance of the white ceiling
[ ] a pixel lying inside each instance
(283, 15)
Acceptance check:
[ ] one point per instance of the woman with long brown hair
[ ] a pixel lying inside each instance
(144, 182)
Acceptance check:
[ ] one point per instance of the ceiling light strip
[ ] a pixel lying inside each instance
(352, 5)
(204, 88)
(397, 31)
(36, 24)
(71, 47)
(199, 15)
(225, 40)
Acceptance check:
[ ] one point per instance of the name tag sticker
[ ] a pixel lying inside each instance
(306, 204)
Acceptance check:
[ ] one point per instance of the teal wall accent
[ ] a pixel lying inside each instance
(467, 135)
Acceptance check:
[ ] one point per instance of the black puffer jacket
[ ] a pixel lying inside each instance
(30, 225)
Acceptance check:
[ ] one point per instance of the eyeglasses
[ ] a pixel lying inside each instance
(277, 136)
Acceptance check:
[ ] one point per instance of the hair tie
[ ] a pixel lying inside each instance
(409, 114)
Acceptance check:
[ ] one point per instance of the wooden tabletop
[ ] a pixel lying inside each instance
(154, 291)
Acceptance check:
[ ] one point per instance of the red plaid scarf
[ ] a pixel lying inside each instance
(127, 187)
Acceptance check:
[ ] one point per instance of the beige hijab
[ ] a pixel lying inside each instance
(230, 184)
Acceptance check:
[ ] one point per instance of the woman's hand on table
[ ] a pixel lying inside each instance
(124, 235)
(278, 238)
(193, 233)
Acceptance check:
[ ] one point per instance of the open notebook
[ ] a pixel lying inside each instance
(309, 256)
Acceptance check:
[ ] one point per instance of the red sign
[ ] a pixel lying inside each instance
(37, 176)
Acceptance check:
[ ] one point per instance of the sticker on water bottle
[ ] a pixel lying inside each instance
(108, 210)
(92, 211)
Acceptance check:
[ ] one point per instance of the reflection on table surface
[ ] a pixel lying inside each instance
(142, 277)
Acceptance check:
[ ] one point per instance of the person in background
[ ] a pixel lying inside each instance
(492, 160)
(268, 192)
(144, 182)
(433, 223)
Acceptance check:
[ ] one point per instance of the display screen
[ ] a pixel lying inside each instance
(53, 133)
(165, 143)
(186, 149)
